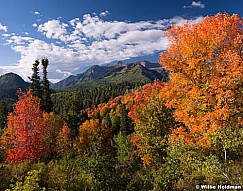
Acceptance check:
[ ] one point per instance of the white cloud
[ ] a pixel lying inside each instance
(53, 29)
(88, 41)
(31, 49)
(6, 35)
(38, 15)
(104, 14)
(73, 21)
(34, 25)
(4, 28)
(19, 40)
(198, 4)
(66, 73)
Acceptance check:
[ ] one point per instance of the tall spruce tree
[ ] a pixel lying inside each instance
(46, 103)
(35, 80)
(3, 114)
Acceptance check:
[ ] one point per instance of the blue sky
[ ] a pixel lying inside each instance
(76, 34)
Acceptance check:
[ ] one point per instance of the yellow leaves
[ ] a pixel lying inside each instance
(87, 131)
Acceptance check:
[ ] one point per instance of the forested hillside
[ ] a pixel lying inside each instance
(9, 84)
(166, 135)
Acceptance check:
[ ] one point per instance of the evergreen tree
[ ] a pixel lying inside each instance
(46, 102)
(35, 80)
(126, 125)
(3, 114)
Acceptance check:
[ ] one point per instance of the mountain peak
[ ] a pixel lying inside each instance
(12, 80)
(10, 83)
(10, 74)
(111, 72)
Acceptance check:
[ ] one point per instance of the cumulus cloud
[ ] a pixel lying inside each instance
(104, 14)
(198, 4)
(89, 40)
(53, 29)
(4, 28)
(37, 13)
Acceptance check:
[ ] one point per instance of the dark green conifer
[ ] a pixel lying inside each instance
(3, 114)
(46, 102)
(35, 80)
(126, 125)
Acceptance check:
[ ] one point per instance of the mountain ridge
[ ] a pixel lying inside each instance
(99, 74)
(95, 76)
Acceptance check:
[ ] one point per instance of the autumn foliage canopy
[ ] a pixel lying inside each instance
(24, 132)
(206, 81)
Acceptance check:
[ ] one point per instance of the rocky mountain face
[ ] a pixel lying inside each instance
(111, 73)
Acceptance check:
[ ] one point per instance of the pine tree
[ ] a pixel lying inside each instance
(3, 114)
(46, 102)
(126, 125)
(35, 80)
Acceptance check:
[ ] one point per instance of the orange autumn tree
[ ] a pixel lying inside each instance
(206, 81)
(22, 139)
(31, 134)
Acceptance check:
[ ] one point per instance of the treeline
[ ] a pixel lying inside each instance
(86, 98)
(162, 136)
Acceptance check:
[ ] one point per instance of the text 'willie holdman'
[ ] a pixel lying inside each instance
(219, 187)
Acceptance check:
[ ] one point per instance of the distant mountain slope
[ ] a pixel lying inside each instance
(134, 73)
(9, 84)
(94, 72)
(143, 71)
